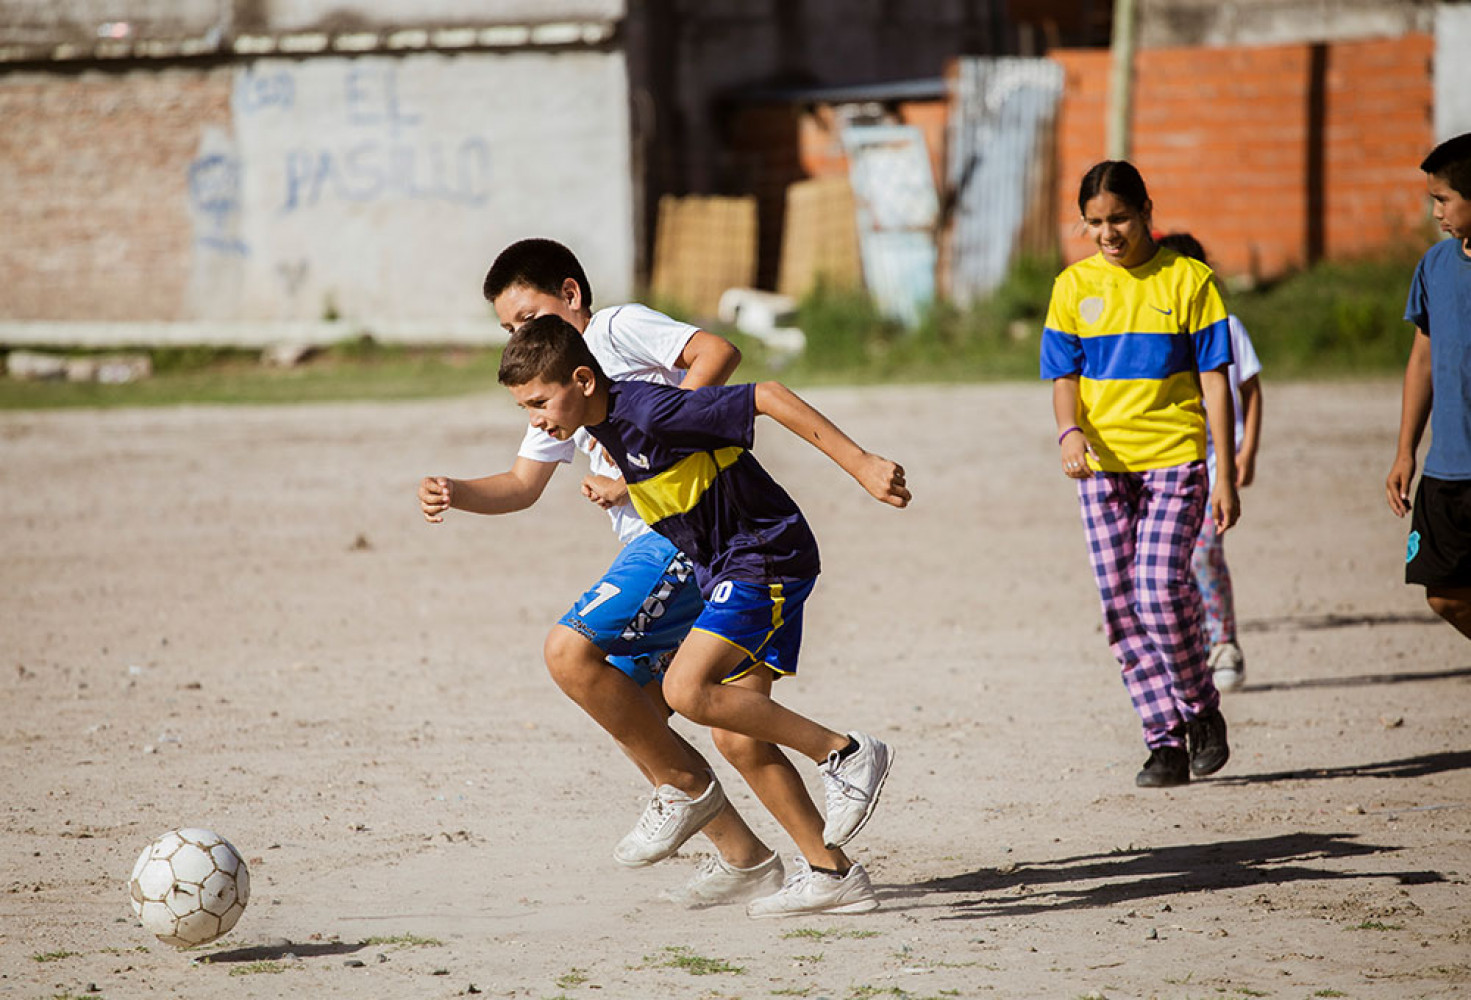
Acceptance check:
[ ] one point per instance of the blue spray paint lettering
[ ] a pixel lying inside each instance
(256, 92)
(457, 173)
(214, 196)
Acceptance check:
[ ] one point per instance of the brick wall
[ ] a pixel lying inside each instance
(92, 171)
(1272, 156)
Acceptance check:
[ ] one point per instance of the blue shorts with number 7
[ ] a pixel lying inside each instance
(762, 620)
(641, 609)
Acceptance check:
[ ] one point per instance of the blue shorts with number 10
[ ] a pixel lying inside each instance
(641, 609)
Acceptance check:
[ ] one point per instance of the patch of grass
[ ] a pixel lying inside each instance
(219, 376)
(53, 956)
(1330, 993)
(817, 934)
(404, 941)
(1248, 992)
(573, 977)
(125, 951)
(681, 957)
(1341, 318)
(809, 958)
(792, 991)
(1377, 925)
(258, 969)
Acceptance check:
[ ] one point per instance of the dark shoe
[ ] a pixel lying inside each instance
(1166, 767)
(1208, 748)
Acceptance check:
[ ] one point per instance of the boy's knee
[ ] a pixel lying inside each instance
(570, 658)
(689, 698)
(1454, 608)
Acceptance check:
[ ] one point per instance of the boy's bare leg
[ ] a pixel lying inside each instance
(638, 720)
(1453, 604)
(777, 784)
(693, 689)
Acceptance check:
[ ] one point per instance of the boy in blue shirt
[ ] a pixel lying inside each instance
(1438, 388)
(685, 457)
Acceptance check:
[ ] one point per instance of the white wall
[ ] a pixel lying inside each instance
(1452, 70)
(382, 187)
(292, 15)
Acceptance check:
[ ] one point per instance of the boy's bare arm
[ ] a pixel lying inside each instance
(1414, 412)
(1225, 503)
(1251, 434)
(883, 479)
(707, 360)
(504, 493)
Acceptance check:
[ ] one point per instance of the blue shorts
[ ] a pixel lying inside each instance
(762, 620)
(641, 609)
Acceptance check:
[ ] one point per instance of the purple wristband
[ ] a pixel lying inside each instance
(1065, 433)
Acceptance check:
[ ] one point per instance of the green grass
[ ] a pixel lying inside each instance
(53, 956)
(1377, 925)
(404, 941)
(571, 978)
(681, 957)
(1333, 320)
(349, 371)
(258, 969)
(816, 934)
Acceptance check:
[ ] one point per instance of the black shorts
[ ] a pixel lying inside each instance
(1438, 553)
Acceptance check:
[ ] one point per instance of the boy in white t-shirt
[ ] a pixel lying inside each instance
(608, 651)
(1212, 575)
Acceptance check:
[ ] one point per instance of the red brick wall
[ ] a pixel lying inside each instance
(1226, 140)
(94, 190)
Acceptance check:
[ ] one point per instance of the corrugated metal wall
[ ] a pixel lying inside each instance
(1000, 165)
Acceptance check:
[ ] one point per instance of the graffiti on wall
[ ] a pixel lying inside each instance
(214, 196)
(379, 150)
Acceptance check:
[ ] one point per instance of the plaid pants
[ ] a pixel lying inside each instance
(1141, 528)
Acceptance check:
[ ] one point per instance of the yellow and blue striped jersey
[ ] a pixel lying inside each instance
(1138, 339)
(686, 458)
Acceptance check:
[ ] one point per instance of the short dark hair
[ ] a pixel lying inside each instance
(1451, 160)
(547, 348)
(1185, 245)
(541, 263)
(1117, 177)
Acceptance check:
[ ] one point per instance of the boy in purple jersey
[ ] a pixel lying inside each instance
(685, 457)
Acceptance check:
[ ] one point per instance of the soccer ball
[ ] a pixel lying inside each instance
(189, 887)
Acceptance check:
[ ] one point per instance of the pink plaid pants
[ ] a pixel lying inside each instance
(1141, 529)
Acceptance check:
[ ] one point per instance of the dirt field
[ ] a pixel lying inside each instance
(235, 618)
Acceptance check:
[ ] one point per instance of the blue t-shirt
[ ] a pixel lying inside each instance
(686, 458)
(1440, 305)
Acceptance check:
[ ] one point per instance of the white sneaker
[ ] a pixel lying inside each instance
(716, 883)
(670, 818)
(1228, 666)
(853, 787)
(806, 891)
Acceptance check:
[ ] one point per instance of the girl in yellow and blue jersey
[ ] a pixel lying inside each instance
(1137, 345)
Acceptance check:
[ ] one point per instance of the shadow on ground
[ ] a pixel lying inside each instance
(1406, 767)
(286, 949)
(1133, 875)
(1309, 623)
(1358, 680)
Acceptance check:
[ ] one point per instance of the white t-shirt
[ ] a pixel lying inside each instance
(630, 342)
(1244, 366)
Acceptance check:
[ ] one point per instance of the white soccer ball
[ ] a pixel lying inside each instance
(189, 887)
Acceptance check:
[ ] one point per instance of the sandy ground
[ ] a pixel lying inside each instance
(235, 618)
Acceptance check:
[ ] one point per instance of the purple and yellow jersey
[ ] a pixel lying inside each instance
(1138, 339)
(686, 458)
